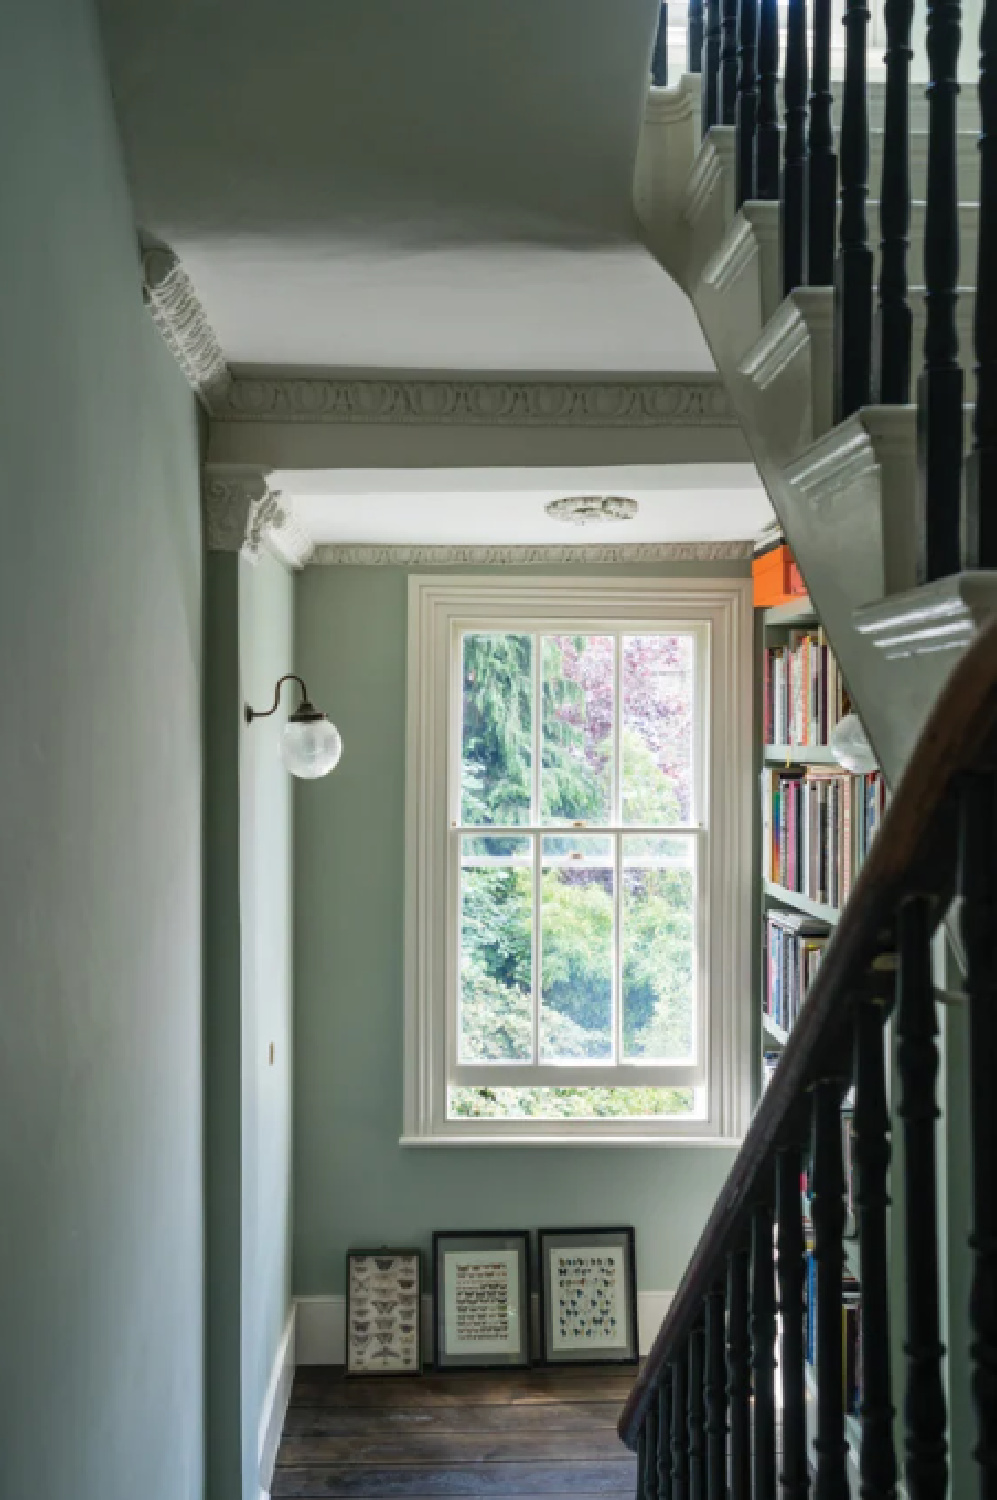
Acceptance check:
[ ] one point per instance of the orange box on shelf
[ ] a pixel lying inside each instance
(776, 578)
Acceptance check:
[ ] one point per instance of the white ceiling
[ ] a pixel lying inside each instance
(402, 184)
(477, 507)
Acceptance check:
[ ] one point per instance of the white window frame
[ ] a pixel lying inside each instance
(440, 608)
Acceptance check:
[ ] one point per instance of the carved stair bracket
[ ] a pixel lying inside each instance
(242, 514)
(180, 318)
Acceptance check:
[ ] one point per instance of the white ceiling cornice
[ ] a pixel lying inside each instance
(635, 552)
(243, 514)
(666, 401)
(180, 318)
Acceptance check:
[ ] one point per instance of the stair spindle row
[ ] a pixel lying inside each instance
(735, 44)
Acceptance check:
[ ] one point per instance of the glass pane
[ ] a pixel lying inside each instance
(659, 970)
(574, 1103)
(658, 702)
(496, 760)
(576, 778)
(576, 949)
(495, 1019)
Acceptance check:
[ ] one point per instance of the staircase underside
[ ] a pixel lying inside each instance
(844, 493)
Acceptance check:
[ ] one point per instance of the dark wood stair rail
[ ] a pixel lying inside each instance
(938, 841)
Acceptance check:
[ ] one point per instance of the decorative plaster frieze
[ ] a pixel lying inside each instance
(180, 318)
(939, 616)
(449, 557)
(243, 514)
(679, 401)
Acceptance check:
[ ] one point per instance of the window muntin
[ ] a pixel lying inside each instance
(580, 955)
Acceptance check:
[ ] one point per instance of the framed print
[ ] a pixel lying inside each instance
(588, 1296)
(481, 1291)
(383, 1312)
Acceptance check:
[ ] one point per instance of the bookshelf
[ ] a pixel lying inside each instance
(817, 819)
(816, 825)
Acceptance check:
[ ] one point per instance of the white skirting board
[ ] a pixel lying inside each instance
(321, 1326)
(275, 1401)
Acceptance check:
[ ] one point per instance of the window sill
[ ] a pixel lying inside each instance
(731, 1142)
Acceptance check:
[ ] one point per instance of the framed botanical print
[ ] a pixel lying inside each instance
(481, 1290)
(588, 1296)
(383, 1312)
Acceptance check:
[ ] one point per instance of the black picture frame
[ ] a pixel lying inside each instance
(575, 1331)
(450, 1351)
(365, 1310)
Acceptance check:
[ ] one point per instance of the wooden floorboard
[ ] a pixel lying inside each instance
(469, 1436)
(365, 1421)
(318, 1385)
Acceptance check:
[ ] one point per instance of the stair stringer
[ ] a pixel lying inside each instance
(844, 494)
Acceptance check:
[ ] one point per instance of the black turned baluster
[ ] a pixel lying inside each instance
(695, 36)
(828, 1213)
(739, 1374)
(716, 1397)
(822, 164)
(665, 1436)
(659, 57)
(853, 272)
(762, 1351)
(747, 99)
(894, 320)
(697, 1447)
(793, 207)
(641, 1460)
(794, 1481)
(767, 134)
(728, 62)
(978, 888)
(711, 66)
(652, 1444)
(980, 527)
(680, 1428)
(939, 387)
(870, 1165)
(926, 1469)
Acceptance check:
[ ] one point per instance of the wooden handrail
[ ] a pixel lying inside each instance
(914, 851)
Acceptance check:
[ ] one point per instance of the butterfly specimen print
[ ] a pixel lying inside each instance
(383, 1308)
(587, 1288)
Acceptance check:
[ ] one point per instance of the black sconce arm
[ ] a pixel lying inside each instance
(256, 713)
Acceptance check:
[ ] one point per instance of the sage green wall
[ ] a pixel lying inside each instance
(266, 627)
(101, 1224)
(248, 1006)
(354, 1184)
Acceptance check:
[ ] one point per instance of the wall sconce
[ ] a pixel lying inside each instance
(310, 745)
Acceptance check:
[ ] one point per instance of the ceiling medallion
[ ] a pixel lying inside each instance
(588, 510)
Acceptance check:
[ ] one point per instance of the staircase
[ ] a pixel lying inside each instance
(843, 482)
(864, 373)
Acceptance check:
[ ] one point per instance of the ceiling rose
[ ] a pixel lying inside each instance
(589, 510)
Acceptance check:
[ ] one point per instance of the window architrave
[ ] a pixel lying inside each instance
(441, 604)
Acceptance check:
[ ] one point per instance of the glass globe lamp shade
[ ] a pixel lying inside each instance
(310, 745)
(850, 746)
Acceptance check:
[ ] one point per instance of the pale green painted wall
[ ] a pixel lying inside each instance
(354, 1184)
(265, 653)
(248, 1001)
(101, 1232)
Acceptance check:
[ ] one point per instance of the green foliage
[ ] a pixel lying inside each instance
(577, 904)
(569, 1104)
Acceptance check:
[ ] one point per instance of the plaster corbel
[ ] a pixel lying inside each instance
(243, 514)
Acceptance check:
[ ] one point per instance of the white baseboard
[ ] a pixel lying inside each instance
(275, 1401)
(321, 1326)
